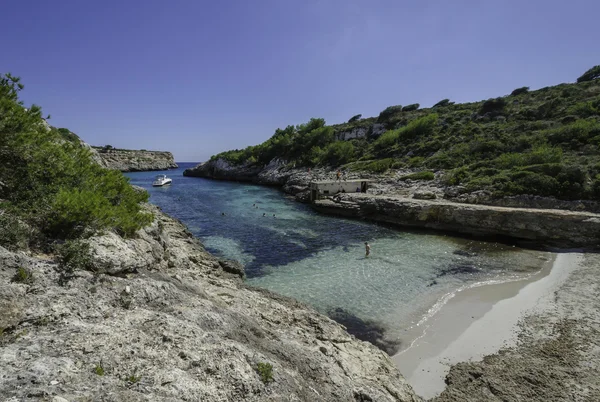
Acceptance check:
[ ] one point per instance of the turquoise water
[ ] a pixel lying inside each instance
(288, 248)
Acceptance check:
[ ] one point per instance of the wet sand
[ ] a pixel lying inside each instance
(477, 322)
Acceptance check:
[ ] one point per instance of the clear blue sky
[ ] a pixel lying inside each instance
(200, 77)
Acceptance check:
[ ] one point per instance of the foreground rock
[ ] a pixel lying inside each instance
(162, 319)
(127, 160)
(558, 357)
(544, 227)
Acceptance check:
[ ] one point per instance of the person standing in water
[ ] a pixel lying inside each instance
(367, 249)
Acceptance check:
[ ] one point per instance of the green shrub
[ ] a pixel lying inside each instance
(425, 175)
(441, 160)
(443, 102)
(265, 371)
(355, 118)
(520, 91)
(422, 127)
(109, 202)
(73, 255)
(99, 369)
(580, 131)
(416, 161)
(410, 108)
(68, 135)
(388, 112)
(338, 153)
(313, 124)
(458, 176)
(53, 184)
(487, 148)
(22, 276)
(13, 233)
(386, 140)
(493, 106)
(376, 166)
(133, 379)
(585, 109)
(591, 74)
(596, 187)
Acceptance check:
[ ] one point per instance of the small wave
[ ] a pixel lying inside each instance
(448, 296)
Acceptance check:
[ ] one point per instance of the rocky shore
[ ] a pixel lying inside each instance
(542, 227)
(127, 160)
(159, 318)
(430, 204)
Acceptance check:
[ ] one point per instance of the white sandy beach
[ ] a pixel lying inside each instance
(477, 322)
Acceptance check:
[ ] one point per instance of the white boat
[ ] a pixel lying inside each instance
(161, 180)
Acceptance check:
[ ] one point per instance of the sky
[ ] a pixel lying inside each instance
(201, 77)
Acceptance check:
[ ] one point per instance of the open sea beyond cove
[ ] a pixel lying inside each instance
(288, 248)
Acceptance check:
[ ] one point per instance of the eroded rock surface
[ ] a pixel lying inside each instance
(544, 227)
(134, 161)
(163, 320)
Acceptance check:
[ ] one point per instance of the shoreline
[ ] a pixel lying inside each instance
(476, 322)
(530, 226)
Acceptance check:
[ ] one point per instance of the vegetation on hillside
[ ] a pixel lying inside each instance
(541, 142)
(50, 189)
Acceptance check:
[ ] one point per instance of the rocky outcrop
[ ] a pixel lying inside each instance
(527, 201)
(127, 160)
(161, 319)
(541, 226)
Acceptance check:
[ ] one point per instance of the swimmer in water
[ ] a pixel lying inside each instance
(367, 249)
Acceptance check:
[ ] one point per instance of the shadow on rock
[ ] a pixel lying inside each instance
(365, 330)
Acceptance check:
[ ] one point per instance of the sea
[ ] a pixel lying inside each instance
(320, 260)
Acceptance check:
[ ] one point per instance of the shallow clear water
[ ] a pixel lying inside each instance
(288, 248)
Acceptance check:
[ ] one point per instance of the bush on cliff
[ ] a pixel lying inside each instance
(520, 91)
(591, 74)
(388, 112)
(355, 118)
(443, 102)
(52, 184)
(410, 108)
(425, 175)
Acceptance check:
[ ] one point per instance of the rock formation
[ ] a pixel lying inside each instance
(162, 319)
(541, 226)
(127, 160)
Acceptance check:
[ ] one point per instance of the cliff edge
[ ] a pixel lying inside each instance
(127, 160)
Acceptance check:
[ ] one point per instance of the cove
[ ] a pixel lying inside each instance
(288, 248)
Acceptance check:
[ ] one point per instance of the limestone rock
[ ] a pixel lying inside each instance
(186, 330)
(127, 160)
(542, 226)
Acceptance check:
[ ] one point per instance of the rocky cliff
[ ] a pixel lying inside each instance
(159, 318)
(541, 226)
(127, 160)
